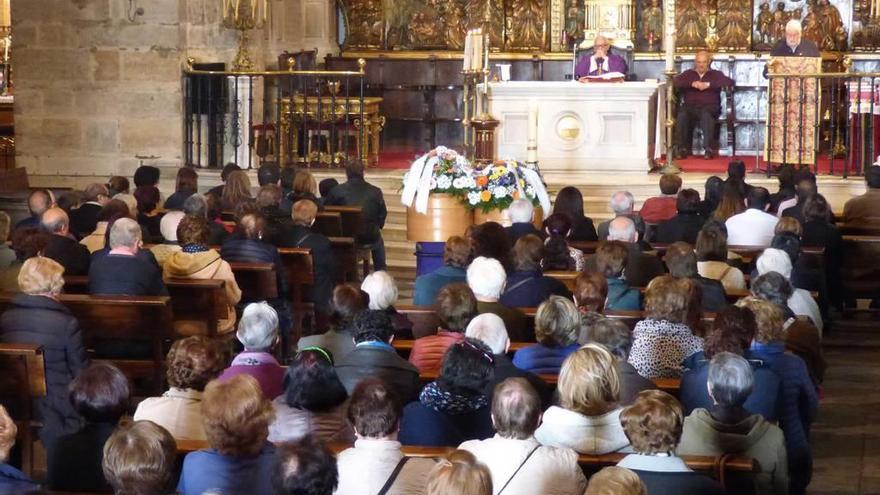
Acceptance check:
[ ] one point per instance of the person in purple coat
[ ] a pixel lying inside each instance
(602, 61)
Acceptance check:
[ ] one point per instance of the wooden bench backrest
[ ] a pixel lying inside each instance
(299, 269)
(345, 255)
(76, 284)
(22, 379)
(352, 219)
(567, 278)
(256, 280)
(328, 223)
(198, 299)
(131, 319)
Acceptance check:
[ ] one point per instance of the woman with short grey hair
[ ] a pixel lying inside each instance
(728, 428)
(258, 333)
(382, 289)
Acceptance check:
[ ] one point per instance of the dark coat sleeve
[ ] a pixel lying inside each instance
(74, 350)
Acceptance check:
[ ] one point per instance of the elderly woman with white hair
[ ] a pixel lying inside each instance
(486, 278)
(382, 289)
(521, 213)
(489, 329)
(37, 317)
(801, 302)
(258, 333)
(728, 428)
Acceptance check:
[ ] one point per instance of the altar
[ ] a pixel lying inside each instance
(607, 127)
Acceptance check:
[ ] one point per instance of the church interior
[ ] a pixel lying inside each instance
(94, 89)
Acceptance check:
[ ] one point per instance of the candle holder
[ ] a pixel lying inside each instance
(670, 167)
(243, 16)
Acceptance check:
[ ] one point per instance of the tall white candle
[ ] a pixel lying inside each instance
(468, 40)
(532, 141)
(669, 34)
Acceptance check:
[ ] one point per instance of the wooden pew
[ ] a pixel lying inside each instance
(858, 270)
(566, 277)
(76, 284)
(353, 226)
(198, 300)
(590, 463)
(425, 320)
(299, 270)
(22, 380)
(671, 385)
(135, 320)
(346, 255)
(328, 223)
(257, 281)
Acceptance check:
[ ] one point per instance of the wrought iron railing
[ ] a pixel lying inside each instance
(248, 118)
(841, 111)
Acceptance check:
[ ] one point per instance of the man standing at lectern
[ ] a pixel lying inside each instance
(700, 89)
(793, 45)
(600, 62)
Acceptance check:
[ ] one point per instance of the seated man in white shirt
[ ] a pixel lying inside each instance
(753, 227)
(518, 463)
(374, 460)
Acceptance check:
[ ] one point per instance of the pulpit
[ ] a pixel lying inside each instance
(580, 127)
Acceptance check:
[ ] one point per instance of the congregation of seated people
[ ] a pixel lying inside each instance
(547, 344)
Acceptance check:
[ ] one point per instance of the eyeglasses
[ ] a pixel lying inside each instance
(488, 357)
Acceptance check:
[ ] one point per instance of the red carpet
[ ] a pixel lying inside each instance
(403, 159)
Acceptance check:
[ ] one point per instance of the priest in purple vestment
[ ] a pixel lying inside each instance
(601, 61)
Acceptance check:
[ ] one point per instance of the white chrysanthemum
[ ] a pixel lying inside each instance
(473, 197)
(459, 182)
(500, 192)
(433, 183)
(530, 191)
(444, 181)
(439, 150)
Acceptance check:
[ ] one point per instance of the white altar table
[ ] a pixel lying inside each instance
(607, 127)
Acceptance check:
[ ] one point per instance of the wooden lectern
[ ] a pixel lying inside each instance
(793, 110)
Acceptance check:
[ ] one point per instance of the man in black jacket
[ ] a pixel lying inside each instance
(358, 192)
(73, 256)
(301, 235)
(373, 356)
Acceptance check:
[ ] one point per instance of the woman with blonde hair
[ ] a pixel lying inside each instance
(240, 459)
(459, 473)
(588, 416)
(557, 324)
(37, 317)
(237, 188)
(305, 187)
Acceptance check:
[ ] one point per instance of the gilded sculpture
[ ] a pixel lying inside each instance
(526, 25)
(823, 25)
(365, 24)
(452, 13)
(763, 38)
(574, 20)
(487, 14)
(734, 25)
(691, 24)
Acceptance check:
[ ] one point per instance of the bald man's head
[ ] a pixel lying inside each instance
(55, 221)
(39, 201)
(622, 229)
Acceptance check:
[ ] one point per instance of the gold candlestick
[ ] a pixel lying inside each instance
(243, 16)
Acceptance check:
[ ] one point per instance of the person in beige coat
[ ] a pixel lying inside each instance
(197, 261)
(519, 465)
(587, 418)
(729, 429)
(370, 465)
(192, 362)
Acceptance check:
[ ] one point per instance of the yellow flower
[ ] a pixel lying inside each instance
(499, 171)
(485, 195)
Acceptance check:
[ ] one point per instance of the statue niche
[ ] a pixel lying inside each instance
(691, 24)
(734, 25)
(650, 35)
(574, 22)
(823, 26)
(526, 25)
(770, 24)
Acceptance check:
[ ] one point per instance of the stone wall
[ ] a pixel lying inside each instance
(97, 94)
